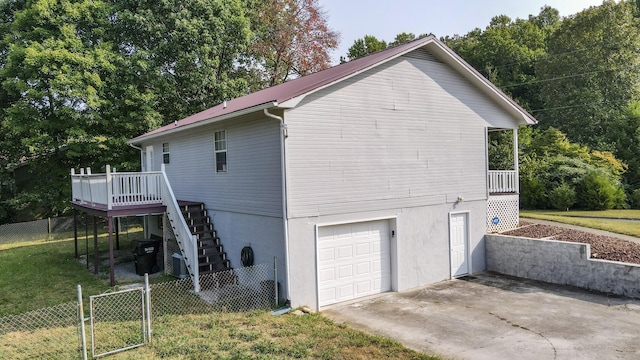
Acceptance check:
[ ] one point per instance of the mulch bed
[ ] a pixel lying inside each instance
(602, 247)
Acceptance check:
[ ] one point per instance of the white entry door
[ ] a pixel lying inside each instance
(149, 158)
(459, 243)
(353, 261)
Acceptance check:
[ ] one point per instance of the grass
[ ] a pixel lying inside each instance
(44, 273)
(609, 220)
(254, 335)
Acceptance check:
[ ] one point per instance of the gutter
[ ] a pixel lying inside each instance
(283, 172)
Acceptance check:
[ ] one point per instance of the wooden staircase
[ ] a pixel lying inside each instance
(211, 257)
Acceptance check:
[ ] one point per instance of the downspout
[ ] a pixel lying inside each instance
(139, 149)
(283, 172)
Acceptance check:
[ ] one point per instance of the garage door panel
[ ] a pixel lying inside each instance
(346, 271)
(362, 249)
(364, 287)
(327, 255)
(328, 295)
(345, 292)
(363, 268)
(354, 261)
(327, 275)
(345, 252)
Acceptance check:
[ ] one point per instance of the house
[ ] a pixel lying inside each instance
(367, 177)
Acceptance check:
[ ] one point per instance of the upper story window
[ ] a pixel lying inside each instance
(165, 153)
(220, 150)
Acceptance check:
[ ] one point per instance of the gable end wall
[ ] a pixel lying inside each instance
(408, 133)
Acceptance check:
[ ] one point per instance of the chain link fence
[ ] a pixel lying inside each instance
(45, 229)
(235, 290)
(117, 321)
(47, 333)
(59, 228)
(116, 316)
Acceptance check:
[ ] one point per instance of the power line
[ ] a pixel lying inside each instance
(582, 105)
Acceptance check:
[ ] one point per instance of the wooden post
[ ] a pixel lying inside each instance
(75, 231)
(117, 226)
(82, 193)
(95, 246)
(112, 277)
(109, 189)
(515, 160)
(86, 240)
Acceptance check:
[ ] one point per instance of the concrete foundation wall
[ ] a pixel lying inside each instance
(560, 262)
(264, 234)
(419, 250)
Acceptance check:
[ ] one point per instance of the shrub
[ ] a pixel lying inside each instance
(532, 193)
(562, 197)
(598, 192)
(635, 199)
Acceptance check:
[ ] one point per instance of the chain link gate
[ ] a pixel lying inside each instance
(119, 321)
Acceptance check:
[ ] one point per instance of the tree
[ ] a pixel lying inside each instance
(591, 73)
(507, 51)
(179, 56)
(53, 66)
(553, 172)
(402, 38)
(369, 44)
(291, 39)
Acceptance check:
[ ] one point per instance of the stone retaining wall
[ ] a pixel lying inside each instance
(560, 262)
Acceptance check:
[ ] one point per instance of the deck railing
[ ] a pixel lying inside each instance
(116, 189)
(503, 181)
(113, 189)
(187, 242)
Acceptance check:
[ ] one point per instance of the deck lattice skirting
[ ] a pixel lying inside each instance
(502, 212)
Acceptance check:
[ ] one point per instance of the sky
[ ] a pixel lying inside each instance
(354, 19)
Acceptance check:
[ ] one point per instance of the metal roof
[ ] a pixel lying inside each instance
(277, 95)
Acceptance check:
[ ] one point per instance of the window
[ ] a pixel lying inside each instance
(220, 150)
(165, 153)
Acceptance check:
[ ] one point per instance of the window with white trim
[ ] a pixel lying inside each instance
(165, 153)
(220, 150)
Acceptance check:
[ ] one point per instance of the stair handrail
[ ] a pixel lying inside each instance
(181, 230)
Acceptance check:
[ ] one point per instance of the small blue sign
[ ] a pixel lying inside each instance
(495, 220)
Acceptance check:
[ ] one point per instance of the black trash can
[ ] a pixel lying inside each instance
(145, 256)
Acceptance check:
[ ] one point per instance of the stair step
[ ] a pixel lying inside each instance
(209, 240)
(216, 249)
(211, 257)
(194, 214)
(207, 268)
(198, 220)
(218, 255)
(203, 232)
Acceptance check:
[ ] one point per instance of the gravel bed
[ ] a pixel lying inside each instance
(602, 247)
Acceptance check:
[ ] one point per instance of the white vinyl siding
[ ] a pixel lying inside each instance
(408, 133)
(252, 187)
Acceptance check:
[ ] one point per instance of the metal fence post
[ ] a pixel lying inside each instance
(81, 319)
(275, 279)
(148, 304)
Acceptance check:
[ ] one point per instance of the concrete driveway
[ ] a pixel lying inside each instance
(490, 316)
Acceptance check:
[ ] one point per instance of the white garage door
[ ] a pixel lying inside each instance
(353, 261)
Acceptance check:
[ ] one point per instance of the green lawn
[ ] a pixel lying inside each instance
(44, 273)
(254, 335)
(609, 220)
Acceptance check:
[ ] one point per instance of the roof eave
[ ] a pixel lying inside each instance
(214, 119)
